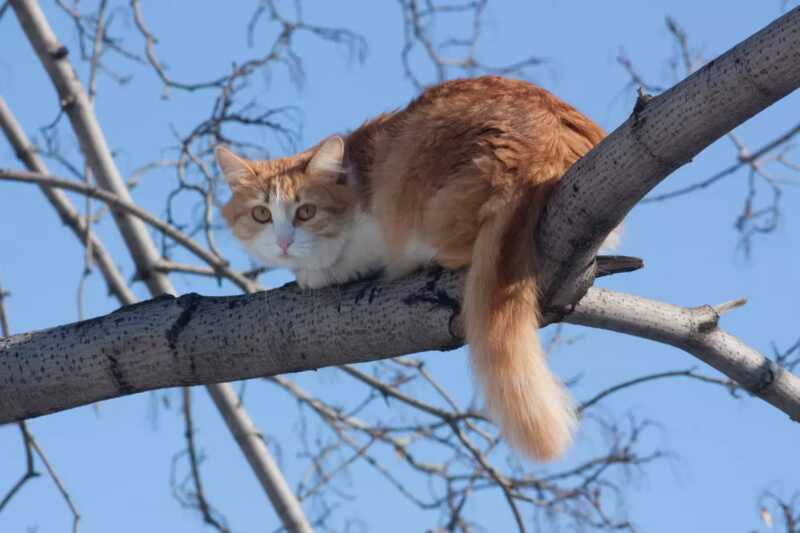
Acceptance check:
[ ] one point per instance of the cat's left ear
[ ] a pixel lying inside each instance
(235, 169)
(328, 157)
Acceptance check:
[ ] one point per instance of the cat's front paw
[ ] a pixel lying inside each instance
(311, 279)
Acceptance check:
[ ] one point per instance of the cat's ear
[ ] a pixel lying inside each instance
(235, 169)
(328, 157)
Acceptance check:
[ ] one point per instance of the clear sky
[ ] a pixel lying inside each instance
(116, 459)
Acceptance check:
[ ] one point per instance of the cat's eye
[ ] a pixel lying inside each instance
(306, 212)
(261, 214)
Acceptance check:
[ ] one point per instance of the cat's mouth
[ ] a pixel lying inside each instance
(289, 255)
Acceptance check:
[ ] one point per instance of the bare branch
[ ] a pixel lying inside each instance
(198, 497)
(66, 211)
(76, 516)
(52, 54)
(690, 373)
(741, 162)
(280, 52)
(94, 41)
(419, 20)
(219, 265)
(752, 220)
(30, 471)
(696, 331)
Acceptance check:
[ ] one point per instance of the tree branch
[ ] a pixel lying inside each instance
(194, 340)
(694, 330)
(30, 471)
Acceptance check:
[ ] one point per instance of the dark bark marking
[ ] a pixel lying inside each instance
(373, 293)
(438, 298)
(642, 99)
(121, 382)
(767, 375)
(59, 53)
(233, 304)
(189, 303)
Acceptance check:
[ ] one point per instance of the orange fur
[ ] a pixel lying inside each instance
(461, 177)
(502, 318)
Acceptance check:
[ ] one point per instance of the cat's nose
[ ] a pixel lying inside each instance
(284, 244)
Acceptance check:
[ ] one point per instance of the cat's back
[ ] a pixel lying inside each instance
(510, 122)
(519, 106)
(494, 95)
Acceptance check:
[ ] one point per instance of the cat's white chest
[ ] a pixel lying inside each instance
(365, 252)
(367, 249)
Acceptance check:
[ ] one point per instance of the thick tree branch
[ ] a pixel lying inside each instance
(195, 340)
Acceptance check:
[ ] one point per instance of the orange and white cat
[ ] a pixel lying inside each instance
(459, 178)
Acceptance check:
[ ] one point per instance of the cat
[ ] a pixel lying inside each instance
(458, 178)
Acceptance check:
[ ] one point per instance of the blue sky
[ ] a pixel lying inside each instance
(116, 460)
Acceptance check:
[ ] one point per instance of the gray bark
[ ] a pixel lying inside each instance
(195, 340)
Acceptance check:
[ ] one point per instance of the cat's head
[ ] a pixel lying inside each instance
(292, 212)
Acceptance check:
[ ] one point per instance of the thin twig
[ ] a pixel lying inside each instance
(689, 373)
(199, 498)
(64, 493)
(118, 203)
(30, 471)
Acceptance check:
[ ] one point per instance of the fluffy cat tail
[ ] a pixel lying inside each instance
(533, 409)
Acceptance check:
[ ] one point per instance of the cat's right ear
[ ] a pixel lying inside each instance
(328, 157)
(235, 169)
